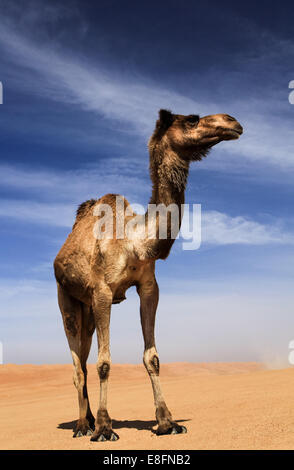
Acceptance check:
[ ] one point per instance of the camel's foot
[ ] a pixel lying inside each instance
(104, 434)
(84, 427)
(103, 431)
(170, 427)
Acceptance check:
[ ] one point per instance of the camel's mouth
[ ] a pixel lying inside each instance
(234, 133)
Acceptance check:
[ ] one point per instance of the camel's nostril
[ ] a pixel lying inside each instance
(230, 118)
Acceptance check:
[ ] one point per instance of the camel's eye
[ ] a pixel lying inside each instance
(193, 119)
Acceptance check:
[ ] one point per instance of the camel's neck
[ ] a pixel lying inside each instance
(169, 176)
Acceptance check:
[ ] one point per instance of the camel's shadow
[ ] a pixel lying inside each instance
(116, 424)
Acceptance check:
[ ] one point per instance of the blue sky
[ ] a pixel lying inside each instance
(82, 87)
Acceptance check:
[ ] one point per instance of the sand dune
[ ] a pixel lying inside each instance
(223, 406)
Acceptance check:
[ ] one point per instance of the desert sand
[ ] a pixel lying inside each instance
(223, 406)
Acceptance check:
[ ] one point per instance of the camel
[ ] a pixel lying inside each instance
(92, 274)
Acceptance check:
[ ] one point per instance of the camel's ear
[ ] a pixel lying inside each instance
(166, 118)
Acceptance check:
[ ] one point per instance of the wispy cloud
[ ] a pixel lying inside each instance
(58, 215)
(116, 175)
(55, 73)
(222, 229)
(63, 191)
(217, 228)
(88, 86)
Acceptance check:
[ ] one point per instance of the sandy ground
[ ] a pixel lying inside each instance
(223, 406)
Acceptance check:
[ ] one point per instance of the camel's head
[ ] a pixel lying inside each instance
(191, 136)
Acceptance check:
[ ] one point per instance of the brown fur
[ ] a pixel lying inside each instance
(84, 207)
(93, 274)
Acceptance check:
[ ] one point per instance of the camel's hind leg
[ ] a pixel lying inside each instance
(79, 327)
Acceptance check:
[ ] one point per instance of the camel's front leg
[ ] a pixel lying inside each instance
(149, 294)
(102, 301)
